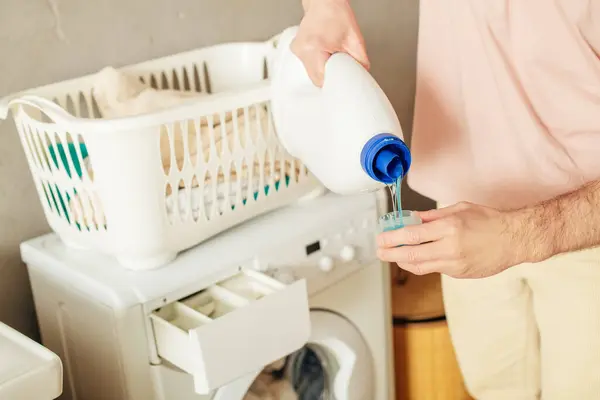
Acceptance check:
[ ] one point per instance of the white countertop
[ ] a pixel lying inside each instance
(27, 369)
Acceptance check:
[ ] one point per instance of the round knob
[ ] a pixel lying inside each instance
(347, 253)
(326, 264)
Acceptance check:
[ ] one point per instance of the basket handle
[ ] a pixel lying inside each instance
(4, 106)
(273, 41)
(272, 53)
(55, 112)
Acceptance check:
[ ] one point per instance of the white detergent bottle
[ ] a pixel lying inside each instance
(347, 132)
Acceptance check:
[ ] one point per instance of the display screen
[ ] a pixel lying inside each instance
(313, 248)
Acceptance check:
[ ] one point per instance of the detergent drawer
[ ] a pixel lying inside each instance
(232, 328)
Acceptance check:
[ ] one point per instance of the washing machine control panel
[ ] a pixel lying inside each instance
(324, 257)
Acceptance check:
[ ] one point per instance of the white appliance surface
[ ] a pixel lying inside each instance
(152, 335)
(28, 371)
(118, 287)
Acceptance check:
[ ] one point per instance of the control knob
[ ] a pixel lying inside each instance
(347, 253)
(326, 264)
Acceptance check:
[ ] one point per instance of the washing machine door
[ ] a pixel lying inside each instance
(335, 364)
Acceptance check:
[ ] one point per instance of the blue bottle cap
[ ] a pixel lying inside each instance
(385, 158)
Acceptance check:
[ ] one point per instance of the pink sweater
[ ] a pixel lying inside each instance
(508, 100)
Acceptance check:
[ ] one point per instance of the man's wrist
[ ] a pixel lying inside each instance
(533, 231)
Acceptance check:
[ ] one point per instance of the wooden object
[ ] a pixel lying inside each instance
(416, 297)
(425, 362)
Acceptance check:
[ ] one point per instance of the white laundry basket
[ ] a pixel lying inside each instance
(109, 184)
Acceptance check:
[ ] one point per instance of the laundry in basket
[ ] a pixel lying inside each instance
(146, 160)
(121, 95)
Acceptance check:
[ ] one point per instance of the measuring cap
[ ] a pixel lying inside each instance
(385, 158)
(397, 220)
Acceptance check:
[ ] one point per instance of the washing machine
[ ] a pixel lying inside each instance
(291, 305)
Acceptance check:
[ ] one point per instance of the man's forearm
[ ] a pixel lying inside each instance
(566, 223)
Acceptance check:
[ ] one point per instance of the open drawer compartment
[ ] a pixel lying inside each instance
(232, 328)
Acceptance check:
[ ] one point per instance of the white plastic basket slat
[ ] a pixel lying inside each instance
(134, 206)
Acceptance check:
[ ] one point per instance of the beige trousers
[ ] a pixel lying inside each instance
(532, 332)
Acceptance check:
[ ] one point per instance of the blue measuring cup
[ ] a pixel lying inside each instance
(394, 220)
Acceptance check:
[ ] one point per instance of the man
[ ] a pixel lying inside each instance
(507, 118)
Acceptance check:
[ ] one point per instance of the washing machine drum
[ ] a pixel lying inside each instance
(334, 365)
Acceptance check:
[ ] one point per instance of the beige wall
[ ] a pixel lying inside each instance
(43, 41)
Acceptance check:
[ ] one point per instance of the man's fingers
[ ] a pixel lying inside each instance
(413, 234)
(429, 267)
(355, 46)
(314, 60)
(311, 53)
(414, 254)
(316, 69)
(432, 215)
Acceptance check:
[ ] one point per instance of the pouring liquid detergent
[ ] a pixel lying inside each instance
(347, 132)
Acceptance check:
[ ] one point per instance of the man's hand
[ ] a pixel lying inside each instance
(328, 27)
(471, 241)
(462, 241)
